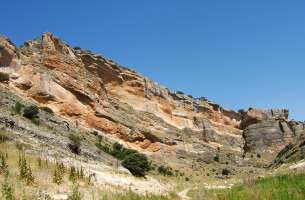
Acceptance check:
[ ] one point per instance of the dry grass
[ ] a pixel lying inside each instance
(43, 185)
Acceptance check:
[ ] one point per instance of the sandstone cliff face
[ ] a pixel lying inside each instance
(88, 89)
(269, 130)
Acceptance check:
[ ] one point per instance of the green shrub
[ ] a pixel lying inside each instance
(225, 172)
(3, 164)
(47, 110)
(72, 174)
(18, 107)
(58, 173)
(165, 171)
(121, 152)
(75, 195)
(7, 191)
(216, 158)
(4, 77)
(25, 171)
(35, 121)
(30, 112)
(104, 148)
(117, 150)
(75, 143)
(137, 164)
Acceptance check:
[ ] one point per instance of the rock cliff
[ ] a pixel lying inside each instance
(90, 90)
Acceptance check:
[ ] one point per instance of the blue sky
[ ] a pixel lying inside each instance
(239, 53)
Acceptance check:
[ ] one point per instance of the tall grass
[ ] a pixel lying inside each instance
(283, 187)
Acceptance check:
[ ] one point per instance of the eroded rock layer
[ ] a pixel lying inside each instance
(88, 89)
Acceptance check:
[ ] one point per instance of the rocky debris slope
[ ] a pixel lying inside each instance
(89, 90)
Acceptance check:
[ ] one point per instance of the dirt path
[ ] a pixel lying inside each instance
(183, 194)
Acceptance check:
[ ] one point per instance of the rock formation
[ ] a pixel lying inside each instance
(269, 130)
(90, 90)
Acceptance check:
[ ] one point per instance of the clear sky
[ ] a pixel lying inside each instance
(239, 53)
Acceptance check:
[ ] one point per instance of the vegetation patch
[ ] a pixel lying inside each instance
(137, 163)
(225, 172)
(47, 110)
(4, 77)
(31, 112)
(18, 107)
(284, 187)
(3, 136)
(75, 143)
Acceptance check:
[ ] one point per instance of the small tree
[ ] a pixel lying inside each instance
(137, 164)
(30, 112)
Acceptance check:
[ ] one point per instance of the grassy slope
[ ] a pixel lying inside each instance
(43, 175)
(283, 187)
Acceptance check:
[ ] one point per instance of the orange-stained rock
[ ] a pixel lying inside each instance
(145, 144)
